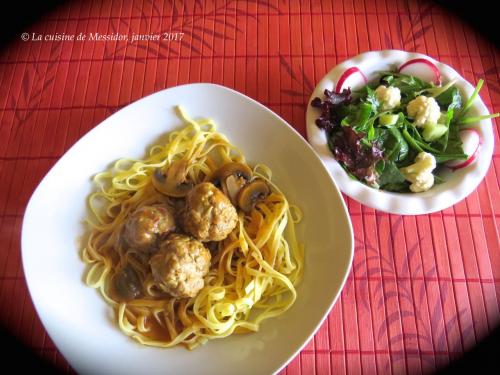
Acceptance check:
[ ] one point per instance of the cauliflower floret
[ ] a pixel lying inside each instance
(424, 110)
(389, 97)
(420, 173)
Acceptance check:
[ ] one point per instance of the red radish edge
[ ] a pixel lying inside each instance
(472, 157)
(435, 70)
(349, 72)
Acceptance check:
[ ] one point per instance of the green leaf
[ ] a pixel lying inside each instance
(346, 121)
(450, 99)
(412, 142)
(361, 121)
(364, 113)
(426, 147)
(395, 147)
(438, 180)
(438, 90)
(401, 120)
(381, 135)
(473, 119)
(412, 129)
(442, 143)
(371, 99)
(379, 167)
(471, 99)
(391, 178)
(447, 157)
(397, 187)
(388, 78)
(347, 110)
(409, 86)
(370, 133)
(454, 145)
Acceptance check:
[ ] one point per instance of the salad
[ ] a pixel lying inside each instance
(397, 132)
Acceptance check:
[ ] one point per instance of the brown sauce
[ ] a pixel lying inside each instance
(156, 331)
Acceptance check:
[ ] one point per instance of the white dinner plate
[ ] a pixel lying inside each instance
(80, 322)
(458, 184)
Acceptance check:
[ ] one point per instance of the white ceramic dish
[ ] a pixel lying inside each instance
(77, 318)
(459, 184)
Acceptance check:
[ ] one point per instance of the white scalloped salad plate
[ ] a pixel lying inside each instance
(76, 316)
(458, 184)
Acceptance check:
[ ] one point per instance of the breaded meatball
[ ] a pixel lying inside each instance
(179, 266)
(147, 225)
(209, 214)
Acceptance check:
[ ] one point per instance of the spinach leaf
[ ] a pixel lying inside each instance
(401, 120)
(410, 159)
(450, 99)
(379, 167)
(454, 149)
(380, 136)
(409, 86)
(370, 131)
(396, 148)
(391, 178)
(347, 110)
(362, 121)
(371, 99)
(387, 78)
(363, 114)
(398, 187)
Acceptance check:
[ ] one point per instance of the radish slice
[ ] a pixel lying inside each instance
(423, 69)
(352, 78)
(471, 143)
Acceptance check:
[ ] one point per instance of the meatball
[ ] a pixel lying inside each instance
(146, 225)
(209, 214)
(179, 266)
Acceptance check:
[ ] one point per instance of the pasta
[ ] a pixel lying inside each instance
(254, 271)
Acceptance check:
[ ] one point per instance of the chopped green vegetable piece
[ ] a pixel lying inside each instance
(434, 131)
(388, 120)
(441, 143)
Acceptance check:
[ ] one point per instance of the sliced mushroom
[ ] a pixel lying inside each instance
(231, 177)
(232, 187)
(251, 193)
(173, 183)
(127, 284)
(239, 170)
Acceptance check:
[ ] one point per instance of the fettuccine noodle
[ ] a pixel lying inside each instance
(253, 273)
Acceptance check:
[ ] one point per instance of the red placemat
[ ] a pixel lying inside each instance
(422, 289)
